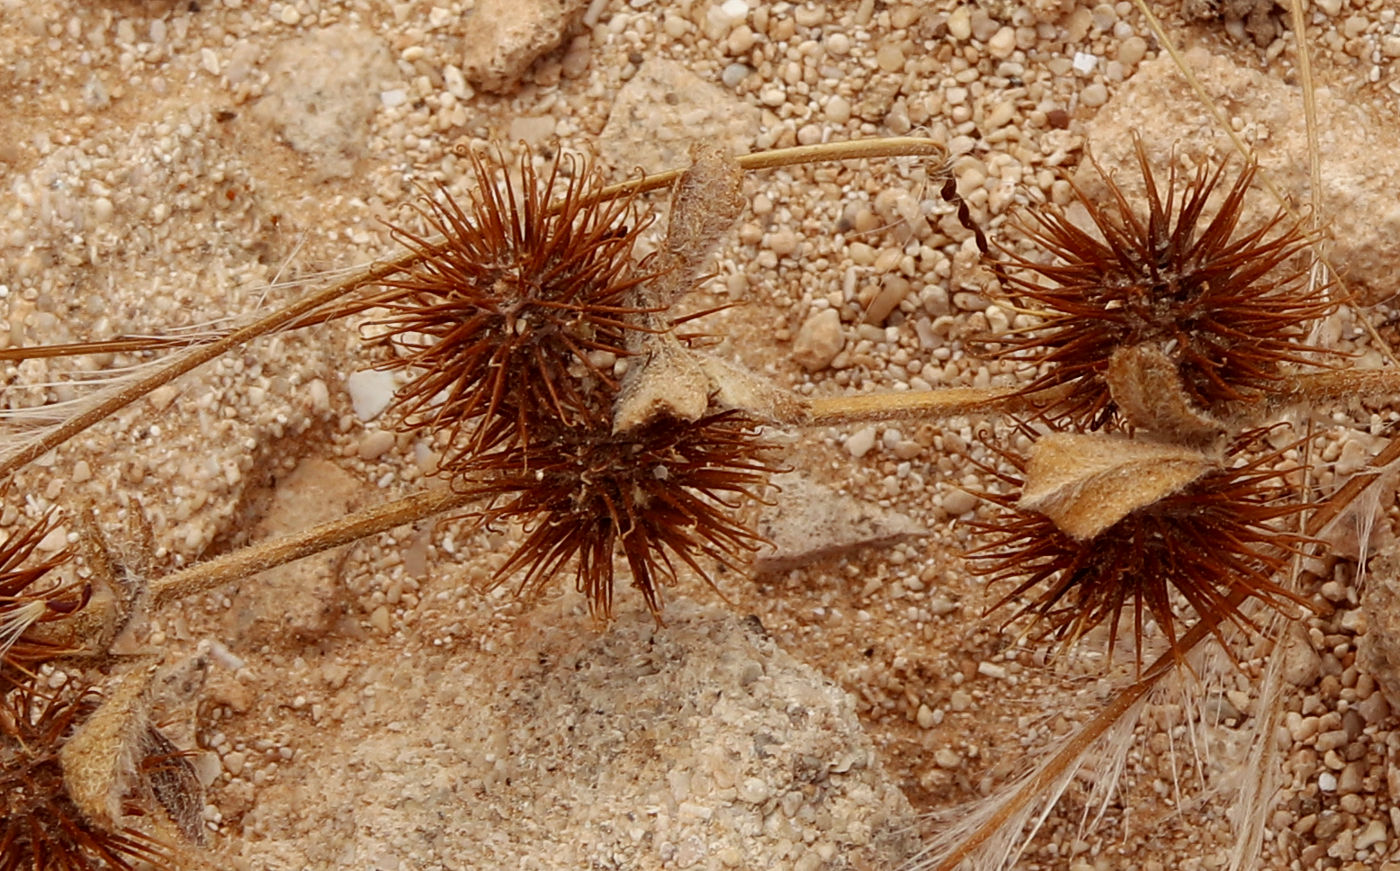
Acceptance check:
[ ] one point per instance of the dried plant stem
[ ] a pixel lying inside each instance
(892, 146)
(1374, 385)
(248, 561)
(129, 392)
(912, 405)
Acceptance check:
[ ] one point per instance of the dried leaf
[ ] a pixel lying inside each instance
(1087, 483)
(1145, 383)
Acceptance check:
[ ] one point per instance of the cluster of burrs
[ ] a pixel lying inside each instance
(1164, 338)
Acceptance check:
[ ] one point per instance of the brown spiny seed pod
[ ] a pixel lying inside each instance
(665, 494)
(30, 596)
(520, 307)
(1206, 536)
(41, 826)
(1227, 307)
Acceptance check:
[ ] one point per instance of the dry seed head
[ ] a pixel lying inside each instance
(42, 826)
(667, 494)
(1188, 534)
(1228, 307)
(502, 320)
(29, 598)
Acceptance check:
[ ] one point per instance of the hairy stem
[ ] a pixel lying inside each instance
(250, 560)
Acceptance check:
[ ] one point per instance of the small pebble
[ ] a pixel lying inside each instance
(1373, 834)
(819, 340)
(957, 502)
(375, 444)
(1002, 43)
(960, 24)
(371, 391)
(379, 619)
(838, 110)
(859, 443)
(734, 74)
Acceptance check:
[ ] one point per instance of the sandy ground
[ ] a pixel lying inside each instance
(169, 165)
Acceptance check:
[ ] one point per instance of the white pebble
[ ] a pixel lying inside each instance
(838, 110)
(1327, 781)
(734, 74)
(925, 717)
(371, 391)
(374, 445)
(1084, 62)
(960, 23)
(859, 443)
(957, 502)
(1002, 43)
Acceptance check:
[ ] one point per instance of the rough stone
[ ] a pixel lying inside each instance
(1360, 172)
(300, 601)
(663, 109)
(819, 340)
(322, 92)
(504, 37)
(816, 522)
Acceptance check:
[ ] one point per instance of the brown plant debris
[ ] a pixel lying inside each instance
(665, 493)
(27, 600)
(41, 825)
(1216, 534)
(1228, 307)
(519, 307)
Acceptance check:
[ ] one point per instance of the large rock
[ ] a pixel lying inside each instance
(322, 92)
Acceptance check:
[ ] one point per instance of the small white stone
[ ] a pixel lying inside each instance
(960, 23)
(859, 443)
(957, 502)
(81, 472)
(925, 717)
(371, 391)
(946, 758)
(734, 74)
(1084, 62)
(209, 60)
(379, 619)
(290, 15)
(1327, 781)
(754, 791)
(394, 97)
(838, 110)
(1002, 43)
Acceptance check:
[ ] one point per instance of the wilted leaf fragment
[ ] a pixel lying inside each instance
(1086, 483)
